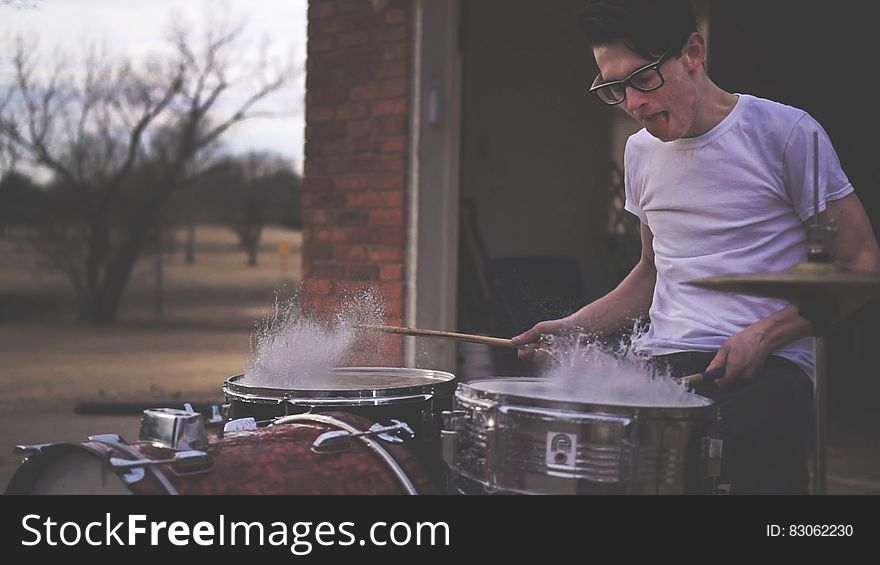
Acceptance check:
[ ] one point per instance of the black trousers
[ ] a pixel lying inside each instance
(766, 424)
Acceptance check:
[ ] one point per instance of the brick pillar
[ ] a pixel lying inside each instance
(354, 188)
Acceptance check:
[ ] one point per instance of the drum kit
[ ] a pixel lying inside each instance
(388, 430)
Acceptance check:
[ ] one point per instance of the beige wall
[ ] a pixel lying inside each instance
(535, 146)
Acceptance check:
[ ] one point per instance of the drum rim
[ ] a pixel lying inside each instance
(35, 464)
(469, 391)
(440, 382)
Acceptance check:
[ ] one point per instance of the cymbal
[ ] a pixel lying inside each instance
(803, 283)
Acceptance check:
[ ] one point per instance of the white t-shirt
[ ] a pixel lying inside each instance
(733, 200)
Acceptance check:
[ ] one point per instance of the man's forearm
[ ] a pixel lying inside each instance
(781, 328)
(622, 306)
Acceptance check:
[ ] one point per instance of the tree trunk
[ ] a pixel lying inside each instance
(119, 271)
(87, 307)
(100, 304)
(191, 226)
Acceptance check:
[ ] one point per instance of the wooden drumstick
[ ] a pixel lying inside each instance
(495, 341)
(704, 376)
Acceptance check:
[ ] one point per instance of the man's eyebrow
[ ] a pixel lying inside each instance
(631, 73)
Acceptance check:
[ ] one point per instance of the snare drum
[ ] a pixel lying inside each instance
(381, 394)
(285, 458)
(519, 435)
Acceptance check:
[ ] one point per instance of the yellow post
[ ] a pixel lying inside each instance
(283, 252)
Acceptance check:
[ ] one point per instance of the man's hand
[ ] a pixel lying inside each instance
(530, 342)
(743, 355)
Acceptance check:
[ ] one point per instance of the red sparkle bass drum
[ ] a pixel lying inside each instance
(330, 453)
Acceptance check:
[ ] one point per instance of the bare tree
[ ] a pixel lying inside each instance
(249, 192)
(119, 142)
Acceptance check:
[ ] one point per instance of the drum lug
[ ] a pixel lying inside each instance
(712, 449)
(428, 425)
(449, 447)
(453, 420)
(453, 423)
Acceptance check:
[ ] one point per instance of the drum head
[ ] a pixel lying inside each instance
(66, 469)
(536, 391)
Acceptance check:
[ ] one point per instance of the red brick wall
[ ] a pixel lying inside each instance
(354, 190)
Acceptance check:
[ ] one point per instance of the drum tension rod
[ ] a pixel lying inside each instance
(33, 448)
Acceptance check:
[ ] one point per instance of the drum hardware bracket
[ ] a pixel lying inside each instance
(133, 475)
(453, 422)
(183, 463)
(179, 430)
(290, 402)
(391, 434)
(336, 441)
(240, 425)
(107, 438)
(371, 443)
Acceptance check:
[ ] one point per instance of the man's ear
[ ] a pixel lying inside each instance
(694, 52)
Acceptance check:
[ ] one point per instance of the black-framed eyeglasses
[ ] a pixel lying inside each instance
(644, 79)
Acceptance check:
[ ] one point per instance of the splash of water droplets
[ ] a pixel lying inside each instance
(294, 348)
(589, 371)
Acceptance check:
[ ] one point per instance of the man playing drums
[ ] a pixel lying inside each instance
(722, 184)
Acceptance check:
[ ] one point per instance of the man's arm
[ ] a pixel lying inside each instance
(620, 307)
(853, 247)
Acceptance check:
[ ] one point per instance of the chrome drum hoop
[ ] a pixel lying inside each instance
(402, 385)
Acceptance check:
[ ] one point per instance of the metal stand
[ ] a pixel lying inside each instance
(819, 462)
(820, 316)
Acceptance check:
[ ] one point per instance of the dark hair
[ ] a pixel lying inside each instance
(649, 27)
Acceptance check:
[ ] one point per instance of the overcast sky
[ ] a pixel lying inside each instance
(137, 28)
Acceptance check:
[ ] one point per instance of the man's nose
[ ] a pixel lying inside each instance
(635, 99)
